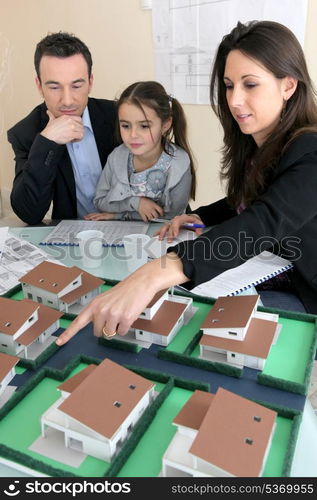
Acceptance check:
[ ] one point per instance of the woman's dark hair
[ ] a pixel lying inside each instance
(153, 95)
(61, 45)
(279, 51)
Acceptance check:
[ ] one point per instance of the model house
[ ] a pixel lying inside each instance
(7, 370)
(98, 409)
(219, 435)
(161, 320)
(26, 327)
(235, 332)
(155, 304)
(67, 289)
(230, 317)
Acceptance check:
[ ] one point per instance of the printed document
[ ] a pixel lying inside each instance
(65, 232)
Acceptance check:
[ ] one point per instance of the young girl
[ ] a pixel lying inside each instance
(262, 93)
(147, 176)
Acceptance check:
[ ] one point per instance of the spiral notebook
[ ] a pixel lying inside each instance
(249, 274)
(65, 232)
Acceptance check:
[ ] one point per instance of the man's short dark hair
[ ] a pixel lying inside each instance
(61, 45)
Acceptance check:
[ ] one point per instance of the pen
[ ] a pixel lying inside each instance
(186, 224)
(191, 224)
(158, 219)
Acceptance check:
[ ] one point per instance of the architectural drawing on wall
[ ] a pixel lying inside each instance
(187, 33)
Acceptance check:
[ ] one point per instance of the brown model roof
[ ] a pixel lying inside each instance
(73, 382)
(7, 362)
(231, 312)
(106, 397)
(193, 412)
(51, 277)
(13, 313)
(47, 316)
(156, 297)
(164, 320)
(88, 283)
(257, 341)
(234, 434)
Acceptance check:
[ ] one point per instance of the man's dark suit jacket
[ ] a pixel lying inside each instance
(43, 171)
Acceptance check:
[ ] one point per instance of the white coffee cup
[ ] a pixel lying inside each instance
(90, 247)
(135, 250)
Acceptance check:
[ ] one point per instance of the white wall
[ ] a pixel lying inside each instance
(118, 33)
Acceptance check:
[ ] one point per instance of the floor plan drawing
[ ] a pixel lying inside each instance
(187, 32)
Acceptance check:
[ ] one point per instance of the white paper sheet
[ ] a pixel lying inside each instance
(241, 278)
(156, 248)
(187, 33)
(3, 237)
(17, 258)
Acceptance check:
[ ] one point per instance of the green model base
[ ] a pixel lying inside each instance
(142, 453)
(288, 366)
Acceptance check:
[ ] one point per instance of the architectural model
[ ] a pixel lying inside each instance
(67, 289)
(98, 409)
(235, 332)
(219, 435)
(7, 372)
(161, 320)
(26, 327)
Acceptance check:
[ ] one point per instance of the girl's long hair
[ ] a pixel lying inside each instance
(153, 95)
(278, 50)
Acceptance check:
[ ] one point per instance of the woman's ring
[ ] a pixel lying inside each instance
(107, 334)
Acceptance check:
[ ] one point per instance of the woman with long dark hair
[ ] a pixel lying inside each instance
(262, 93)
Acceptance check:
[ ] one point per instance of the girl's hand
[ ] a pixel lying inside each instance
(149, 210)
(170, 230)
(99, 216)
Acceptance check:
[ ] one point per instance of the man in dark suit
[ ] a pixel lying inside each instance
(63, 144)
